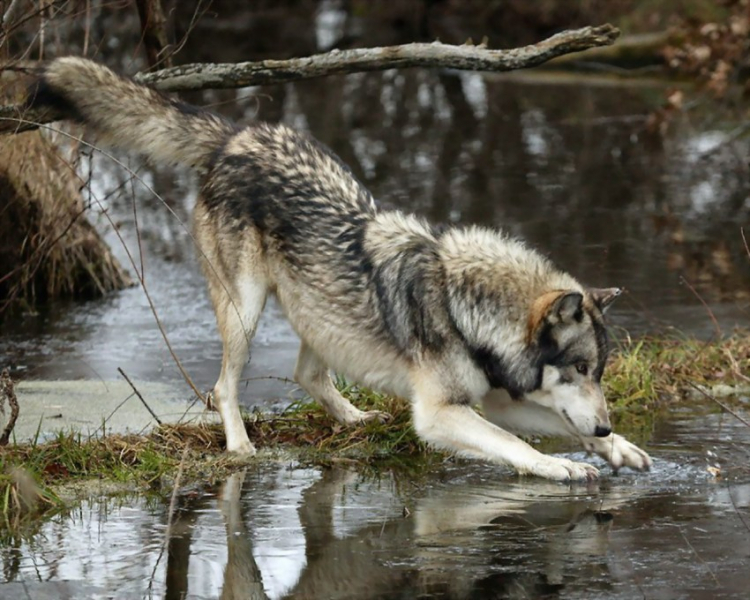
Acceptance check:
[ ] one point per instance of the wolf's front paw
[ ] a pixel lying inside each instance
(562, 469)
(619, 452)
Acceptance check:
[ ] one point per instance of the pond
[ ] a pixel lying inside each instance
(464, 530)
(565, 162)
(579, 166)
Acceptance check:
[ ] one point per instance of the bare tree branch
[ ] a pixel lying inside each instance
(201, 76)
(434, 55)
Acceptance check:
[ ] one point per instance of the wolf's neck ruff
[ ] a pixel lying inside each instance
(383, 298)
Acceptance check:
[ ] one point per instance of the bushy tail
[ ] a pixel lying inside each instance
(124, 114)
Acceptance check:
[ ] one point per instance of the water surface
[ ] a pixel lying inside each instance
(466, 530)
(567, 163)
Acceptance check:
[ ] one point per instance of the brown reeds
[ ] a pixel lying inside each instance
(48, 247)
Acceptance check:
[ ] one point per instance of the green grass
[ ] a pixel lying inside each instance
(306, 426)
(647, 376)
(649, 373)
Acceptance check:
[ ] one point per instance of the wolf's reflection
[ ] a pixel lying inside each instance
(242, 577)
(509, 541)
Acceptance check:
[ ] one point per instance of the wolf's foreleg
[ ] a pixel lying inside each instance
(456, 426)
(526, 418)
(618, 452)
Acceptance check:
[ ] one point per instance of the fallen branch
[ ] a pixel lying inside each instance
(202, 76)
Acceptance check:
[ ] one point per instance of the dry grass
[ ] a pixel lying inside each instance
(48, 248)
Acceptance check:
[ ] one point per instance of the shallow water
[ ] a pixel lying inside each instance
(465, 530)
(566, 162)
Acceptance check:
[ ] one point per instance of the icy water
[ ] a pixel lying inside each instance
(463, 531)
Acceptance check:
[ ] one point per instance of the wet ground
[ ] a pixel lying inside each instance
(464, 531)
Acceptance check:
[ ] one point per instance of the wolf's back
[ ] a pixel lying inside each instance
(124, 114)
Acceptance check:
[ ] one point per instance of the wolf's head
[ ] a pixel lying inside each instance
(567, 330)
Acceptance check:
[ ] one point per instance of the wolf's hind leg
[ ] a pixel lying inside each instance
(312, 375)
(237, 318)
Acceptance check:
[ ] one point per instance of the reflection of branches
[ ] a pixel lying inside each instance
(170, 516)
(203, 76)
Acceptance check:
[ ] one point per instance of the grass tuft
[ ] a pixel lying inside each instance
(642, 378)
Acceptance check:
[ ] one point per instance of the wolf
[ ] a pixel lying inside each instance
(447, 318)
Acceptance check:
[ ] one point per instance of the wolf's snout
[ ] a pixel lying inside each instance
(600, 431)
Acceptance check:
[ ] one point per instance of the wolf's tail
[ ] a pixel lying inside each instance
(124, 114)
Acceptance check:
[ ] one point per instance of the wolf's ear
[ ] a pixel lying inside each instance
(603, 297)
(555, 308)
(567, 308)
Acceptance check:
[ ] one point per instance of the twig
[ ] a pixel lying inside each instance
(699, 557)
(735, 366)
(8, 392)
(8, 16)
(719, 402)
(202, 76)
(705, 305)
(110, 415)
(736, 509)
(744, 240)
(137, 393)
(269, 377)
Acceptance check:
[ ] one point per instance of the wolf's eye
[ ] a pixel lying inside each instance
(582, 368)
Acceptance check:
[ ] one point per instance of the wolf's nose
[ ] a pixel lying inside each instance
(600, 431)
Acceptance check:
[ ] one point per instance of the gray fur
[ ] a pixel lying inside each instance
(383, 298)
